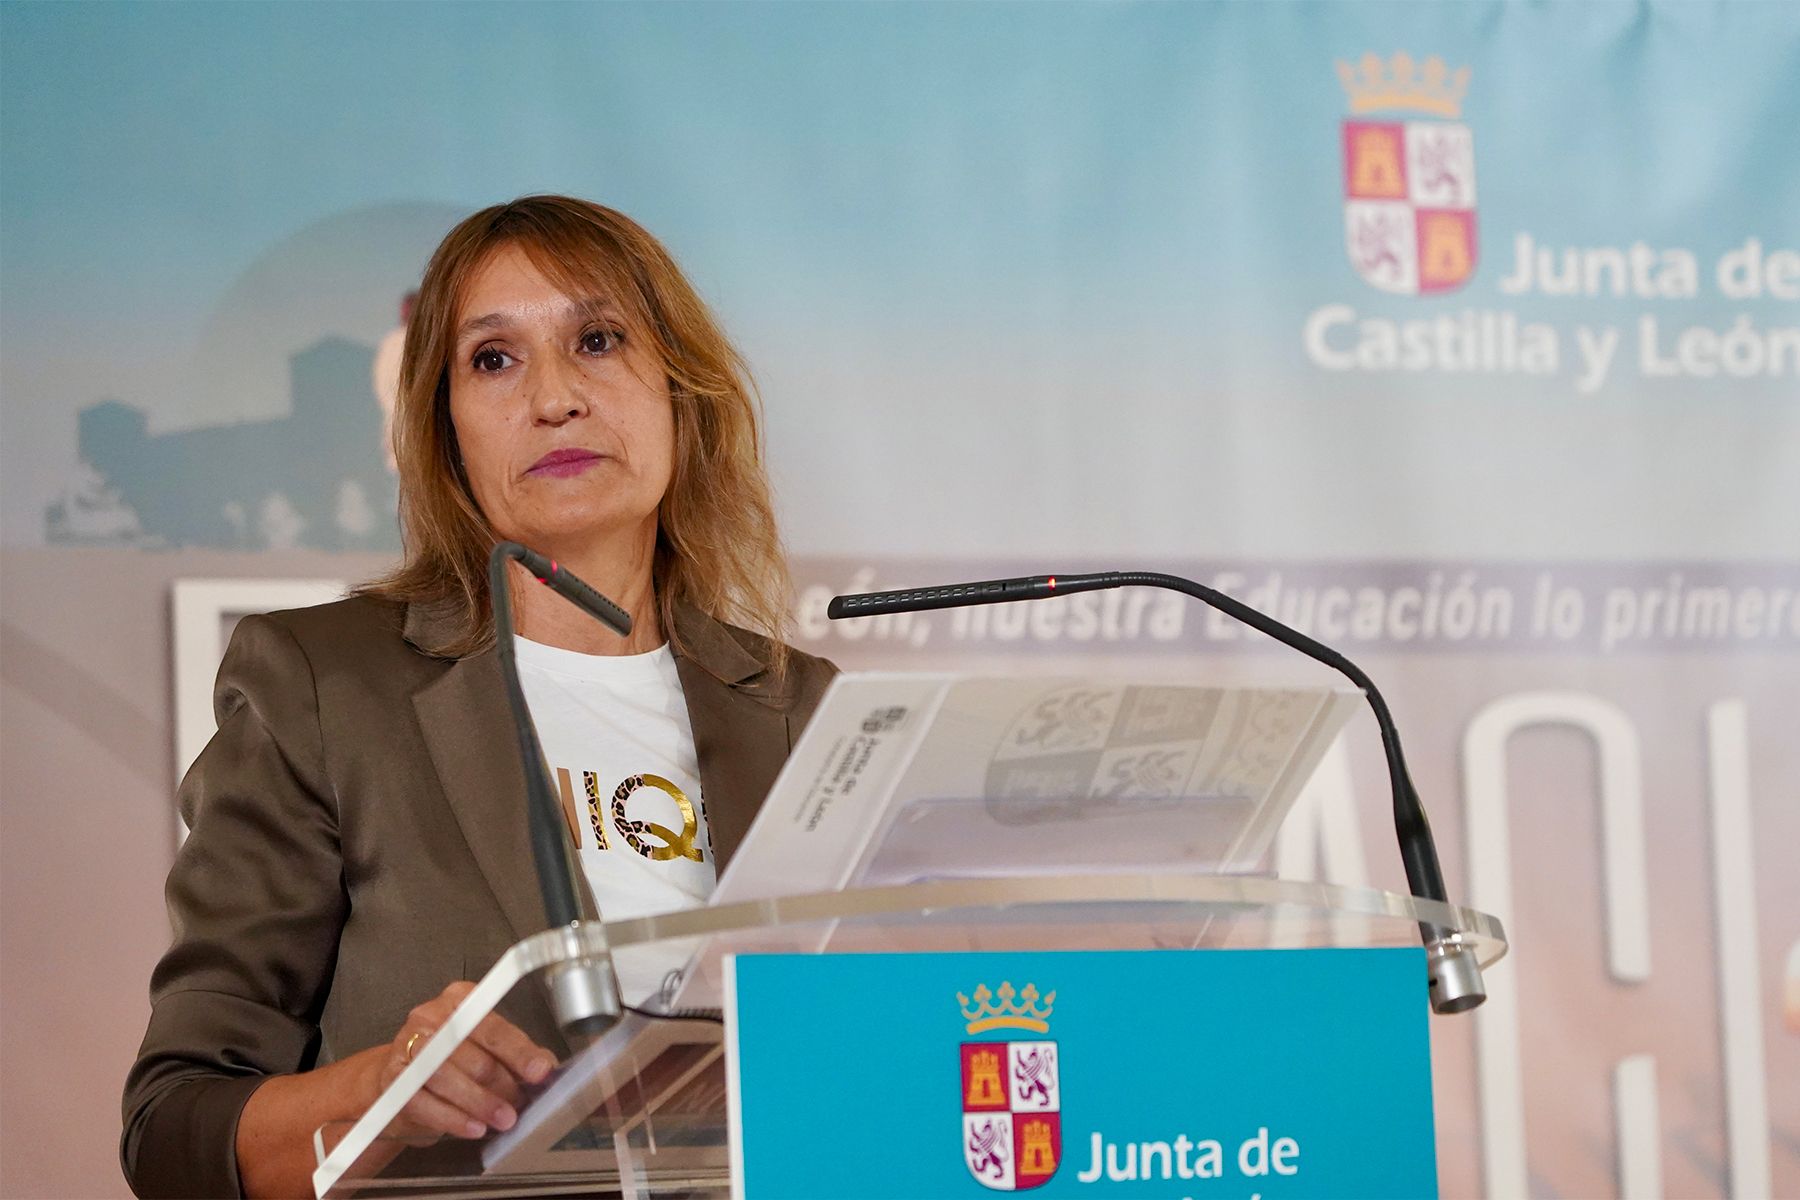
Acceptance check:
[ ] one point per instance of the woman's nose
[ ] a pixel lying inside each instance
(558, 392)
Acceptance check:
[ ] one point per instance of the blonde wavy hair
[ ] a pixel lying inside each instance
(717, 548)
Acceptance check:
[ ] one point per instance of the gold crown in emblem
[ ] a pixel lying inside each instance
(1430, 86)
(1013, 1010)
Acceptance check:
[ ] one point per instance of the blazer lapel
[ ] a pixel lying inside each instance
(741, 733)
(468, 731)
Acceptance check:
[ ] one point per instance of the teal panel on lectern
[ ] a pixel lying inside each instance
(1155, 1073)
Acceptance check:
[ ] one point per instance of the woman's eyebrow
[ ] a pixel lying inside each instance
(491, 320)
(594, 307)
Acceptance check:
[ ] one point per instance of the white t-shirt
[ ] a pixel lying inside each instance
(618, 743)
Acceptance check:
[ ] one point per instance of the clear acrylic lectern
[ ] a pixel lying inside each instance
(642, 1112)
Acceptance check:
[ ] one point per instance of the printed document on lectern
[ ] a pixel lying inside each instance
(902, 777)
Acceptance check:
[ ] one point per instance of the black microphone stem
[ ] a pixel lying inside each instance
(543, 814)
(580, 999)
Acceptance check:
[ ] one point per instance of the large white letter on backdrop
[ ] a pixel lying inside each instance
(1627, 927)
(1740, 979)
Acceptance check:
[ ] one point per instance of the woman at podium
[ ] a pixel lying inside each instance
(358, 841)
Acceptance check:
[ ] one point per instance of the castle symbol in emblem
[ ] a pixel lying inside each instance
(1011, 1091)
(1409, 185)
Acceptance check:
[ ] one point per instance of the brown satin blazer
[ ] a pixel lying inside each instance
(358, 842)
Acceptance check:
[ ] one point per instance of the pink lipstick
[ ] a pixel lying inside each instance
(563, 463)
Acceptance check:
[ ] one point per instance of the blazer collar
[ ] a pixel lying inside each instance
(741, 738)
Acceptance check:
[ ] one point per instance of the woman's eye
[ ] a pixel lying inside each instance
(488, 360)
(601, 341)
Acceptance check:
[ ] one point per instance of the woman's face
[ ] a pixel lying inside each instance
(566, 428)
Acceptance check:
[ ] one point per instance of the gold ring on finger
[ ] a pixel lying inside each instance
(412, 1042)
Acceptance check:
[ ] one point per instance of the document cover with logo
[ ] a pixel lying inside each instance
(903, 777)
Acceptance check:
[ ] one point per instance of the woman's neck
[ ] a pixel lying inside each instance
(619, 568)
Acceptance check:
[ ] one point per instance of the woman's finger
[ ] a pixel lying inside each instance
(428, 1114)
(494, 1040)
(526, 1059)
(478, 1103)
(489, 1072)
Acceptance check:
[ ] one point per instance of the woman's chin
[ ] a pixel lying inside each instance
(574, 530)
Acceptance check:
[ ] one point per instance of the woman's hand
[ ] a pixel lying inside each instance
(481, 1086)
(479, 1089)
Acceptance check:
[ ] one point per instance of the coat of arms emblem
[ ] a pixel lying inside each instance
(1409, 184)
(1011, 1091)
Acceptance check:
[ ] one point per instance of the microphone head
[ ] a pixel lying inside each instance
(960, 595)
(566, 584)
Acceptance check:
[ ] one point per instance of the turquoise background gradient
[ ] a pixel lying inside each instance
(1023, 245)
(850, 1077)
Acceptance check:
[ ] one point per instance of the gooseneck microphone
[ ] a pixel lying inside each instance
(1453, 973)
(583, 993)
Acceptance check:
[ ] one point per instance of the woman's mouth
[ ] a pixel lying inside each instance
(565, 462)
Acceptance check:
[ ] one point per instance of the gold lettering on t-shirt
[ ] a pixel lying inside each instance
(675, 845)
(591, 782)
